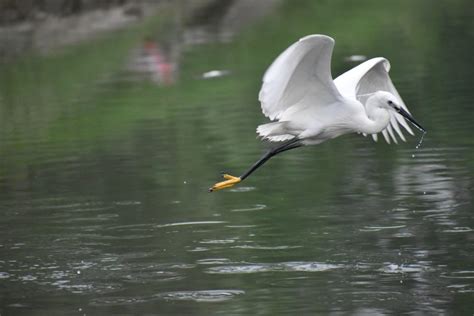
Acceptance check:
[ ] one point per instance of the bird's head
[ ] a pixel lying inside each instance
(386, 100)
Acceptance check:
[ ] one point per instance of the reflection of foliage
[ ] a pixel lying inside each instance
(206, 126)
(38, 92)
(67, 142)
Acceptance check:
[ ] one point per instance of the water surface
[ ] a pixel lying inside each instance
(104, 182)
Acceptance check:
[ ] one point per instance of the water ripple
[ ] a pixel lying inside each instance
(201, 296)
(212, 261)
(458, 230)
(256, 207)
(242, 189)
(274, 267)
(257, 247)
(379, 228)
(4, 275)
(465, 274)
(190, 223)
(403, 268)
(196, 296)
(217, 241)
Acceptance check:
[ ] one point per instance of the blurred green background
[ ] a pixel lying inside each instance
(108, 147)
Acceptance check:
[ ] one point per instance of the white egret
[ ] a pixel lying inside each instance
(308, 107)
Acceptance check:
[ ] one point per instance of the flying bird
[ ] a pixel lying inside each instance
(308, 107)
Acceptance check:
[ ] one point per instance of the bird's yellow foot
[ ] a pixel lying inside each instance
(229, 182)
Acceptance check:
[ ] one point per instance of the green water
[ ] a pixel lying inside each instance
(103, 179)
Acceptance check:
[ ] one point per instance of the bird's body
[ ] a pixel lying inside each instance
(308, 107)
(313, 126)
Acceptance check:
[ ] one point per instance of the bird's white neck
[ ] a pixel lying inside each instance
(377, 118)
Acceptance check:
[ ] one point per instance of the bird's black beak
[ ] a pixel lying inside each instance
(407, 115)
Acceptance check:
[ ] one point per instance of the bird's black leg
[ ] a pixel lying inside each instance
(294, 143)
(231, 180)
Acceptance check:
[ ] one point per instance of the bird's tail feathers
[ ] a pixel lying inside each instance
(274, 132)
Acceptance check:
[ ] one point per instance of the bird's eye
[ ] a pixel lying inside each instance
(390, 102)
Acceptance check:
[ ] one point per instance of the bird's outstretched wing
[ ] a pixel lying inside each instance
(301, 72)
(370, 77)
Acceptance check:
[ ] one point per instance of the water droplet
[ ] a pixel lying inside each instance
(185, 182)
(424, 192)
(78, 272)
(421, 140)
(419, 143)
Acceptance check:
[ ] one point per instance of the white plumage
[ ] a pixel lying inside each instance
(369, 77)
(308, 107)
(298, 92)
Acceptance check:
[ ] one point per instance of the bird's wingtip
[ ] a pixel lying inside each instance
(317, 36)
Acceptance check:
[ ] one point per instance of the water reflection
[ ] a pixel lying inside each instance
(155, 63)
(104, 204)
(438, 187)
(217, 21)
